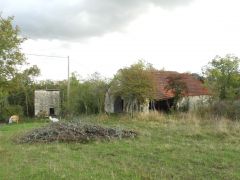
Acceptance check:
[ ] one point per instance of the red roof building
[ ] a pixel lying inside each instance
(194, 86)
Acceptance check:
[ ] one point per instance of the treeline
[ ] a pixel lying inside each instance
(134, 83)
(86, 96)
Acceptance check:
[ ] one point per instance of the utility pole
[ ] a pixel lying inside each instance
(68, 68)
(68, 85)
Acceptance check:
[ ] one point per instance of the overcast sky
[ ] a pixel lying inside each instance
(106, 35)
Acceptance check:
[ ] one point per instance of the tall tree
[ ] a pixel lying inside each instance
(10, 54)
(223, 76)
(10, 51)
(16, 85)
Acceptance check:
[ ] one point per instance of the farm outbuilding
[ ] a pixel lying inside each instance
(196, 93)
(163, 99)
(47, 102)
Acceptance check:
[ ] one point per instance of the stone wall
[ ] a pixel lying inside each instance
(114, 104)
(109, 102)
(194, 101)
(46, 100)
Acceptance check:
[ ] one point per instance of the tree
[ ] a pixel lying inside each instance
(223, 76)
(87, 96)
(178, 87)
(92, 94)
(10, 55)
(134, 84)
(10, 51)
(21, 91)
(16, 86)
(99, 89)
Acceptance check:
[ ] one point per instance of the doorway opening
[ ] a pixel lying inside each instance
(51, 111)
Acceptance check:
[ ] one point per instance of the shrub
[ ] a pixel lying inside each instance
(11, 110)
(2, 118)
(234, 111)
(227, 109)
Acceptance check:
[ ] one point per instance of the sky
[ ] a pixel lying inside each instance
(104, 36)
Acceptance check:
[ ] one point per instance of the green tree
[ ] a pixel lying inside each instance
(178, 87)
(10, 52)
(10, 55)
(99, 88)
(134, 84)
(16, 86)
(92, 94)
(21, 91)
(87, 96)
(222, 76)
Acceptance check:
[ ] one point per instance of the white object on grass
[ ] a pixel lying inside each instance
(53, 119)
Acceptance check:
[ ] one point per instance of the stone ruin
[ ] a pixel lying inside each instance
(47, 103)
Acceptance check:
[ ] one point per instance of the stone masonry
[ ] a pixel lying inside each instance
(47, 102)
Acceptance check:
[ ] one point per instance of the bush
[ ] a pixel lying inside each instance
(2, 118)
(234, 112)
(11, 110)
(227, 109)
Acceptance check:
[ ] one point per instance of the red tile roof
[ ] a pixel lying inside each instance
(194, 86)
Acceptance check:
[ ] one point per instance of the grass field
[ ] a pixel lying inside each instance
(167, 148)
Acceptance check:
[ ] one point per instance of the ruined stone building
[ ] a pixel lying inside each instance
(47, 102)
(163, 99)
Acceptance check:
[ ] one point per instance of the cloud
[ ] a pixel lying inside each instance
(77, 19)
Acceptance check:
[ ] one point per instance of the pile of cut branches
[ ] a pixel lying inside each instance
(73, 132)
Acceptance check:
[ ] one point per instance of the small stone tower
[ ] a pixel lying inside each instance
(47, 102)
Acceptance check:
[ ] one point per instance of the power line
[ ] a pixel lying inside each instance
(42, 55)
(68, 69)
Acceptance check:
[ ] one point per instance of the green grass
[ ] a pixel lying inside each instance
(169, 148)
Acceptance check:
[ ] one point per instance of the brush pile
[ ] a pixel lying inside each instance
(73, 132)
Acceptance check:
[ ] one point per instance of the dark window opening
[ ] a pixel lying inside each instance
(118, 105)
(161, 105)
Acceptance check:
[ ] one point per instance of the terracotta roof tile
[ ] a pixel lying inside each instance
(194, 86)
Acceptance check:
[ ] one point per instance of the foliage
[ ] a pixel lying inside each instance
(178, 87)
(223, 77)
(227, 109)
(10, 54)
(134, 84)
(16, 86)
(22, 89)
(10, 110)
(87, 96)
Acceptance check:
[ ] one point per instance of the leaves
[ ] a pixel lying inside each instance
(16, 86)
(177, 86)
(10, 54)
(223, 76)
(134, 83)
(87, 96)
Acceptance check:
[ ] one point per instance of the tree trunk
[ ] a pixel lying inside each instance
(86, 108)
(26, 102)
